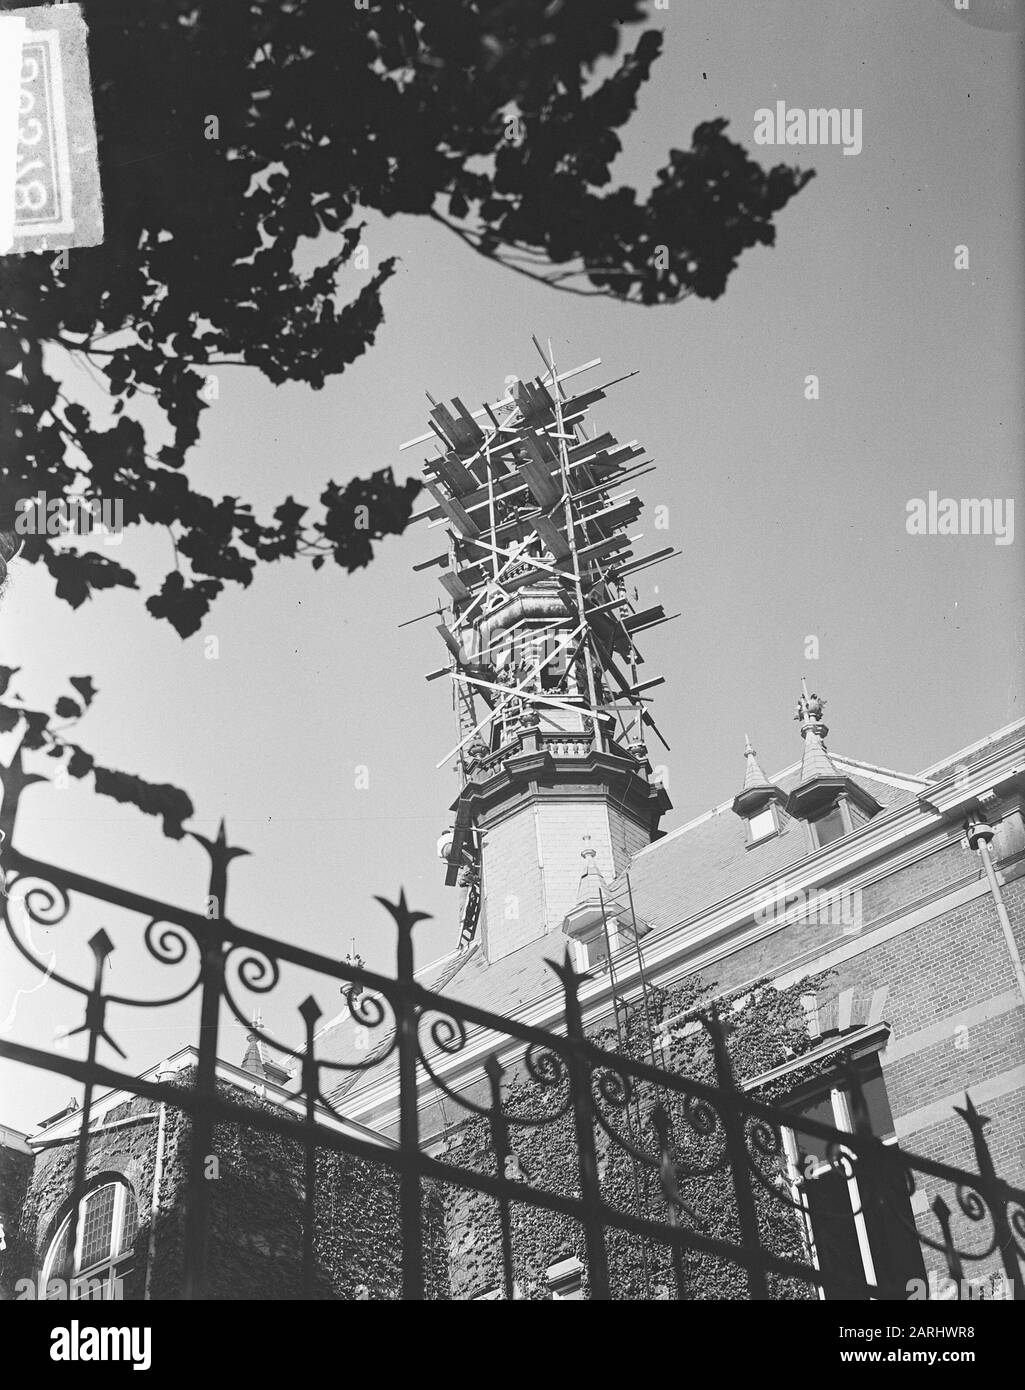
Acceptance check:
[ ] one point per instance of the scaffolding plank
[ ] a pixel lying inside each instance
(441, 559)
(654, 622)
(472, 430)
(451, 641)
(633, 622)
(539, 480)
(592, 552)
(455, 587)
(647, 685)
(459, 479)
(643, 561)
(552, 536)
(454, 511)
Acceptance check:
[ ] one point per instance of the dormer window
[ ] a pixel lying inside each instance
(830, 826)
(761, 825)
(758, 802)
(593, 954)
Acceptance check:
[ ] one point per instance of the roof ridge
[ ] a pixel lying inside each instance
(883, 774)
(973, 747)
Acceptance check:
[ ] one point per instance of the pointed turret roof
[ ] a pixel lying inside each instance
(258, 1059)
(593, 904)
(757, 790)
(820, 781)
(814, 730)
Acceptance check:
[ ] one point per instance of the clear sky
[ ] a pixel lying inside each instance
(790, 514)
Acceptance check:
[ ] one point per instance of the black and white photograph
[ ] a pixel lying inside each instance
(512, 721)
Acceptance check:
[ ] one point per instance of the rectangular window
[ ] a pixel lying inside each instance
(866, 1236)
(832, 826)
(761, 826)
(597, 951)
(594, 954)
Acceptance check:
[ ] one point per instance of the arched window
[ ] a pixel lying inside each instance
(104, 1245)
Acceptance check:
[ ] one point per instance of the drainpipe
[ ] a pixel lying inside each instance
(979, 833)
(158, 1173)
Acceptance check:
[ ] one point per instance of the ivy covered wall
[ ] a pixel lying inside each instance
(256, 1211)
(767, 1028)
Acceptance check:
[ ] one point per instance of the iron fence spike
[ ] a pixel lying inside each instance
(310, 1010)
(101, 944)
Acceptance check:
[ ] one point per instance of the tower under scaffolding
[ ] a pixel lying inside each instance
(539, 624)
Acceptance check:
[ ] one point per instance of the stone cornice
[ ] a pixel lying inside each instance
(537, 774)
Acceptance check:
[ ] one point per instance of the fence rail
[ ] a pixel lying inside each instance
(673, 1132)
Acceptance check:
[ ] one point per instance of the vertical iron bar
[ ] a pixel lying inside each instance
(211, 975)
(661, 1122)
(580, 1089)
(954, 1267)
(94, 1011)
(660, 1094)
(406, 1023)
(644, 978)
(197, 1212)
(996, 1199)
(500, 1144)
(637, 1103)
(310, 1012)
(730, 1098)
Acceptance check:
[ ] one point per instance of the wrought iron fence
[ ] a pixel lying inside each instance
(676, 1133)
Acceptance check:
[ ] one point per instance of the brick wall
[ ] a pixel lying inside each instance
(957, 1020)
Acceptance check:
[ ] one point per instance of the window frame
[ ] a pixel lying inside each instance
(842, 1120)
(583, 961)
(798, 1175)
(107, 1271)
(772, 811)
(840, 806)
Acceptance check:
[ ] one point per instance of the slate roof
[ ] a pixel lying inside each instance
(816, 762)
(677, 878)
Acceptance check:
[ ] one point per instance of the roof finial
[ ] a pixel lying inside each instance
(588, 852)
(809, 713)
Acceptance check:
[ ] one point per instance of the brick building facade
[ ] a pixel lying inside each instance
(871, 879)
(874, 884)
